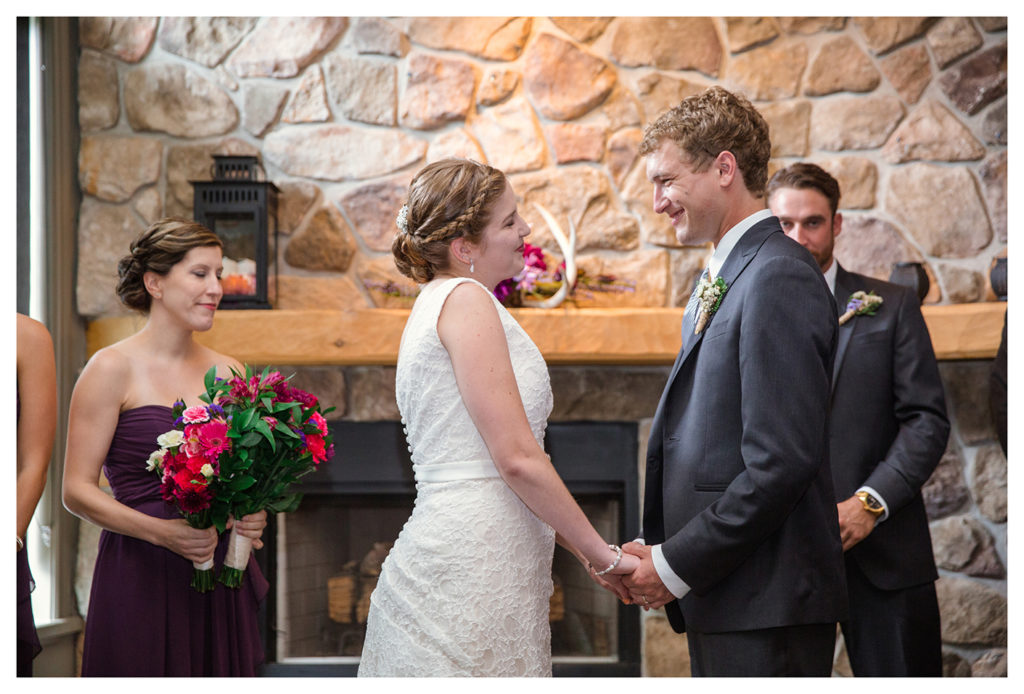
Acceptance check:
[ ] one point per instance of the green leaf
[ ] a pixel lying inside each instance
(242, 483)
(251, 439)
(264, 429)
(243, 420)
(210, 378)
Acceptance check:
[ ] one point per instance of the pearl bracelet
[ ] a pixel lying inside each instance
(21, 543)
(611, 567)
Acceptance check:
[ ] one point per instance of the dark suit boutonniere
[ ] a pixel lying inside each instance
(861, 304)
(709, 297)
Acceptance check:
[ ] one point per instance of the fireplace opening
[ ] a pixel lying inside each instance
(323, 559)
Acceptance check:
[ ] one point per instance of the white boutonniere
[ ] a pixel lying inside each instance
(861, 304)
(709, 298)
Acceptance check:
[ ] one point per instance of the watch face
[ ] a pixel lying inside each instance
(871, 503)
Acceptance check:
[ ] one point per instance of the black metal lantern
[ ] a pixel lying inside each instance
(242, 211)
(912, 275)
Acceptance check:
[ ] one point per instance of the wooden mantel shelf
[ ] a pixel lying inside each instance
(565, 335)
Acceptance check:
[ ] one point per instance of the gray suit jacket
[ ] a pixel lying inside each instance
(738, 489)
(889, 427)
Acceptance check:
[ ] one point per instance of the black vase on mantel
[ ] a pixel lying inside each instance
(911, 275)
(997, 277)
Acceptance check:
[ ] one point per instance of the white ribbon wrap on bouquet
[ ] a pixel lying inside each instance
(203, 566)
(239, 549)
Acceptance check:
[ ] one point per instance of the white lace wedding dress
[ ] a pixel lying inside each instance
(466, 588)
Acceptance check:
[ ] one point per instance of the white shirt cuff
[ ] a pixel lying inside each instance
(872, 492)
(675, 585)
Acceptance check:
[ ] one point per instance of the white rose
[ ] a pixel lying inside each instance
(156, 459)
(170, 439)
(207, 471)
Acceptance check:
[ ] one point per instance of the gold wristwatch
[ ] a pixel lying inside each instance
(871, 504)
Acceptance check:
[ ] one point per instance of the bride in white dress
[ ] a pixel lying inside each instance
(466, 588)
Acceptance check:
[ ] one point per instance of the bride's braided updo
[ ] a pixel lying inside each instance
(158, 249)
(448, 199)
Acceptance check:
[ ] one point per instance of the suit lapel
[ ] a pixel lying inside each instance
(844, 289)
(744, 251)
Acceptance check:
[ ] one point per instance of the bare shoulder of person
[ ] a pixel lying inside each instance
(467, 306)
(108, 372)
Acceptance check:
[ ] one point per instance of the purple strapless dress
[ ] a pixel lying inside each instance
(144, 619)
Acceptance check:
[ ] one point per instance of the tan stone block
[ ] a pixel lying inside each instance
(789, 123)
(654, 42)
(563, 80)
(372, 209)
(811, 25)
(993, 175)
(642, 279)
(992, 663)
(963, 544)
(909, 70)
(372, 394)
(205, 40)
(951, 38)
(584, 29)
(338, 152)
(364, 90)
(376, 35)
(510, 136)
(839, 66)
(962, 285)
(666, 653)
(320, 293)
(173, 99)
(496, 86)
(98, 101)
(293, 202)
(870, 245)
(967, 398)
(885, 33)
(105, 233)
(456, 143)
(744, 32)
(388, 288)
(437, 90)
(580, 194)
(495, 38)
(327, 383)
(284, 46)
(940, 206)
(261, 105)
(988, 482)
(621, 109)
(148, 204)
(622, 153)
(659, 93)
(113, 168)
(309, 100)
(595, 393)
(126, 38)
(769, 73)
(854, 122)
(194, 163)
(972, 613)
(324, 244)
(857, 177)
(575, 142)
(931, 132)
(991, 24)
(994, 125)
(953, 665)
(945, 492)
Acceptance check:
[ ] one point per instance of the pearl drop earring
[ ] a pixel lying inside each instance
(472, 267)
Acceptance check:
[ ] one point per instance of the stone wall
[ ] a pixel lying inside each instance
(908, 113)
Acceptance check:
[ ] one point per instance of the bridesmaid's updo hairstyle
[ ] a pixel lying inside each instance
(448, 199)
(158, 249)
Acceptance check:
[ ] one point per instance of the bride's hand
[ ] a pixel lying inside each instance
(627, 565)
(612, 583)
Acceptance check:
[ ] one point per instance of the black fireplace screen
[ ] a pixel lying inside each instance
(323, 560)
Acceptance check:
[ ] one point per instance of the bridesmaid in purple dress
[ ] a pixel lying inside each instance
(37, 423)
(143, 617)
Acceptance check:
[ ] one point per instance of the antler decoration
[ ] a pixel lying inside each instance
(568, 247)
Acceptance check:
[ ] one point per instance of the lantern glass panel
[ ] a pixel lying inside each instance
(238, 232)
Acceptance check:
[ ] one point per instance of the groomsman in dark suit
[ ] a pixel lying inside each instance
(741, 535)
(889, 430)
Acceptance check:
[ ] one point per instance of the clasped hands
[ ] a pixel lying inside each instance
(635, 580)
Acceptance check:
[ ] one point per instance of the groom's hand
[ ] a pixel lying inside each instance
(644, 584)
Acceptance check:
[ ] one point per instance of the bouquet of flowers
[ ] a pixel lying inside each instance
(255, 437)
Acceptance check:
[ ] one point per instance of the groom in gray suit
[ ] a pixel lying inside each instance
(741, 535)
